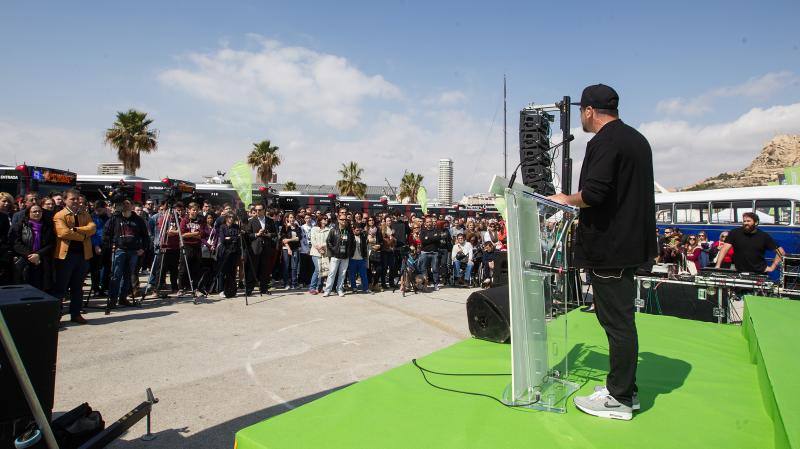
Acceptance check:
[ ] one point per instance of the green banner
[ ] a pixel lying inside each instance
(241, 176)
(422, 199)
(500, 203)
(792, 175)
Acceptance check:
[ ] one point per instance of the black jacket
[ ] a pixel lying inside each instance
(616, 181)
(341, 244)
(401, 233)
(22, 239)
(267, 240)
(5, 241)
(434, 239)
(286, 233)
(129, 233)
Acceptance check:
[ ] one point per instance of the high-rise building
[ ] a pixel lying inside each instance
(446, 181)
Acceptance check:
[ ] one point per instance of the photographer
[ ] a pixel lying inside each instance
(124, 237)
(261, 232)
(462, 257)
(194, 231)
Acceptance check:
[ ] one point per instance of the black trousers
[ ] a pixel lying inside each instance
(194, 260)
(169, 264)
(614, 293)
(261, 266)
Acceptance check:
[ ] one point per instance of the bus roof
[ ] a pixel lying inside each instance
(114, 178)
(790, 192)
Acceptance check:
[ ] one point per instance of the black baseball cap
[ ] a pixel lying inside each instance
(599, 96)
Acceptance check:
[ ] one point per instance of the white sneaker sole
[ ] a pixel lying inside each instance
(607, 413)
(636, 405)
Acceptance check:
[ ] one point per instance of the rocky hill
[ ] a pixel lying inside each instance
(780, 152)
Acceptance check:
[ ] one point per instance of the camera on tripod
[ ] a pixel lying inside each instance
(120, 192)
(177, 190)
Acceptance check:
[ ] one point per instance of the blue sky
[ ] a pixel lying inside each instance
(396, 85)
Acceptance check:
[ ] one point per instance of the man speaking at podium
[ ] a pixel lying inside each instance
(615, 235)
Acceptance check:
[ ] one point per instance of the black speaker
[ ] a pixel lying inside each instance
(534, 140)
(535, 173)
(488, 314)
(683, 301)
(32, 317)
(500, 274)
(530, 157)
(533, 121)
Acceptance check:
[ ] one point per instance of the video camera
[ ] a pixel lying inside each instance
(177, 190)
(120, 192)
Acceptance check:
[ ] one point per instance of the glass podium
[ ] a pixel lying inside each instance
(537, 230)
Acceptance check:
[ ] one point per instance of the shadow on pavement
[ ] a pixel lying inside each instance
(95, 319)
(217, 437)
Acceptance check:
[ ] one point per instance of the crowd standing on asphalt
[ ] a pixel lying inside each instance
(57, 242)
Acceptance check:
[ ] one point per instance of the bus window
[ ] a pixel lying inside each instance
(797, 213)
(664, 213)
(774, 211)
(729, 211)
(740, 207)
(691, 213)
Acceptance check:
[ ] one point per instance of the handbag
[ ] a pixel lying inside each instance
(324, 266)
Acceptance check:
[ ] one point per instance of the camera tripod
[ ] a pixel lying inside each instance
(169, 219)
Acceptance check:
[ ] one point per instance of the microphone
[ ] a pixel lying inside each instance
(569, 138)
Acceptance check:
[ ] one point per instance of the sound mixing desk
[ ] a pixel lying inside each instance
(706, 296)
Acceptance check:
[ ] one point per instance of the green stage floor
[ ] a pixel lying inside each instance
(697, 386)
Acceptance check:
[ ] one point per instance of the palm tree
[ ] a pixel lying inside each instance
(350, 184)
(290, 186)
(131, 136)
(409, 186)
(264, 158)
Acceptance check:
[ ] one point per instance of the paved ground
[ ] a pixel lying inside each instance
(219, 366)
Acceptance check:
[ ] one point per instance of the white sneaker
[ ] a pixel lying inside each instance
(341, 294)
(437, 287)
(604, 406)
(601, 390)
(326, 294)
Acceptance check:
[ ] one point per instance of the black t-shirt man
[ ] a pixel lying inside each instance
(749, 249)
(615, 234)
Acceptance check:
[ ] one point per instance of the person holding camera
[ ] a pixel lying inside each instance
(125, 237)
(262, 232)
(462, 257)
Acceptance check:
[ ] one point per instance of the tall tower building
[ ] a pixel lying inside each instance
(446, 181)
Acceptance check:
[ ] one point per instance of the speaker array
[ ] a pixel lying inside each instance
(534, 143)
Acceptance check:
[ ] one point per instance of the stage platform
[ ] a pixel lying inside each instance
(698, 386)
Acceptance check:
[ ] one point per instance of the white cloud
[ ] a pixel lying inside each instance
(684, 153)
(277, 79)
(759, 88)
(76, 150)
(447, 98)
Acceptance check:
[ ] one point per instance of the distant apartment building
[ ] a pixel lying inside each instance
(445, 181)
(111, 168)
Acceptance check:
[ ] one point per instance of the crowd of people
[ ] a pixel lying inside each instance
(742, 249)
(57, 242)
(691, 251)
